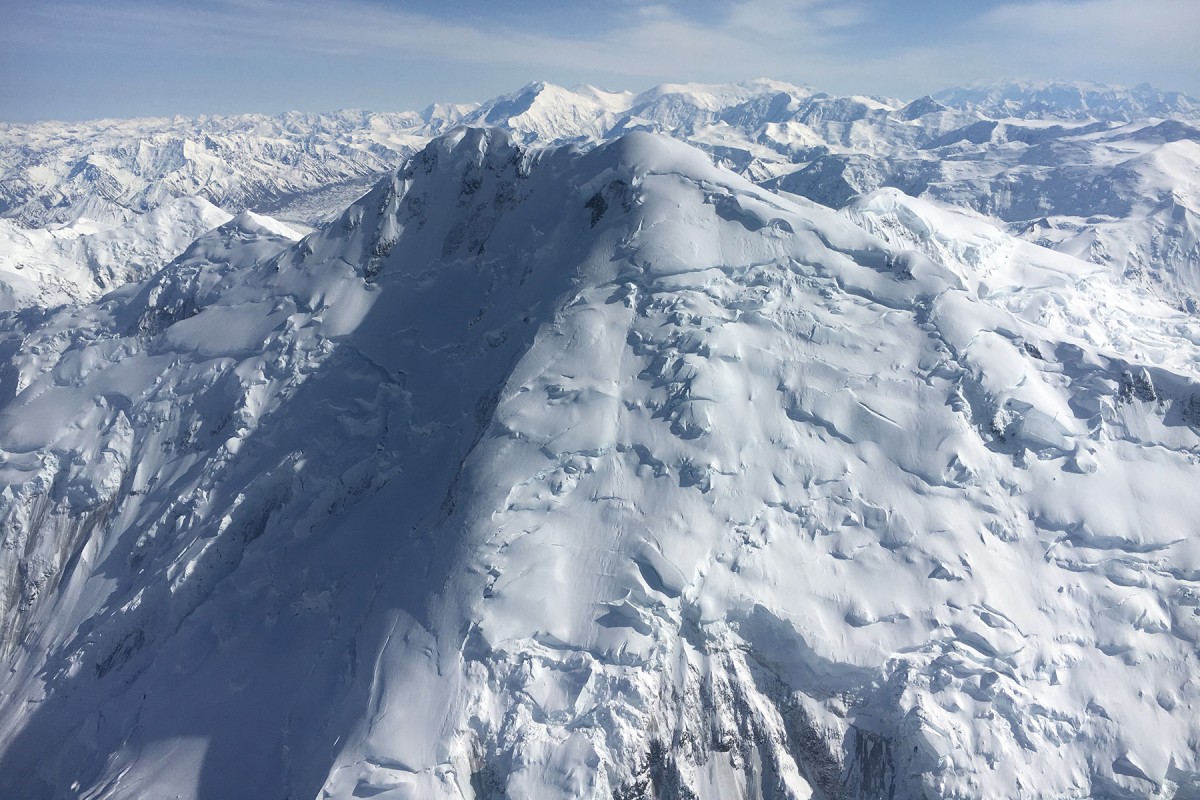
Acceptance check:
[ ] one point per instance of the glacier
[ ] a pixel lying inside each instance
(603, 470)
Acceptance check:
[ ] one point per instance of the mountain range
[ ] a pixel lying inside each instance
(656, 446)
(1105, 173)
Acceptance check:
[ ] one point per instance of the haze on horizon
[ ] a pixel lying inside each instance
(72, 60)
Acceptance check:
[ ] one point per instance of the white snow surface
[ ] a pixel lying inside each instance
(1106, 173)
(603, 472)
(78, 262)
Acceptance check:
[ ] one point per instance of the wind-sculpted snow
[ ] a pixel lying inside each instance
(603, 473)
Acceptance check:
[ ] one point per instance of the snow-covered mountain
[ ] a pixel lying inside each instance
(1106, 173)
(110, 170)
(1074, 101)
(79, 262)
(1126, 196)
(602, 471)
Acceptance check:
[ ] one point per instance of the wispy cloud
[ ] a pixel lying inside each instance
(1114, 41)
(1127, 34)
(642, 40)
(841, 45)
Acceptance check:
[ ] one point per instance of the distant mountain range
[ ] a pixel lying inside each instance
(1105, 173)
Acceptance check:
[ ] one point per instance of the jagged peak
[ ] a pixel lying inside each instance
(507, 485)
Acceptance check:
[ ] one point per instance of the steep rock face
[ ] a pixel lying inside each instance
(605, 474)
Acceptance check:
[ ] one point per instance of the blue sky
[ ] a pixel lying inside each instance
(63, 59)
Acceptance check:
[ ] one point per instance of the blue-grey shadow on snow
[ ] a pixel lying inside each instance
(250, 634)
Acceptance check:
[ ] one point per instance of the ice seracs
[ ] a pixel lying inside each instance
(603, 472)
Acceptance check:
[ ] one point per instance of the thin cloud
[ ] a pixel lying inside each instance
(1117, 41)
(848, 46)
(1103, 33)
(644, 42)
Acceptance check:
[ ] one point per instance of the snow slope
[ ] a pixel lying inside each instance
(1125, 197)
(603, 473)
(76, 263)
